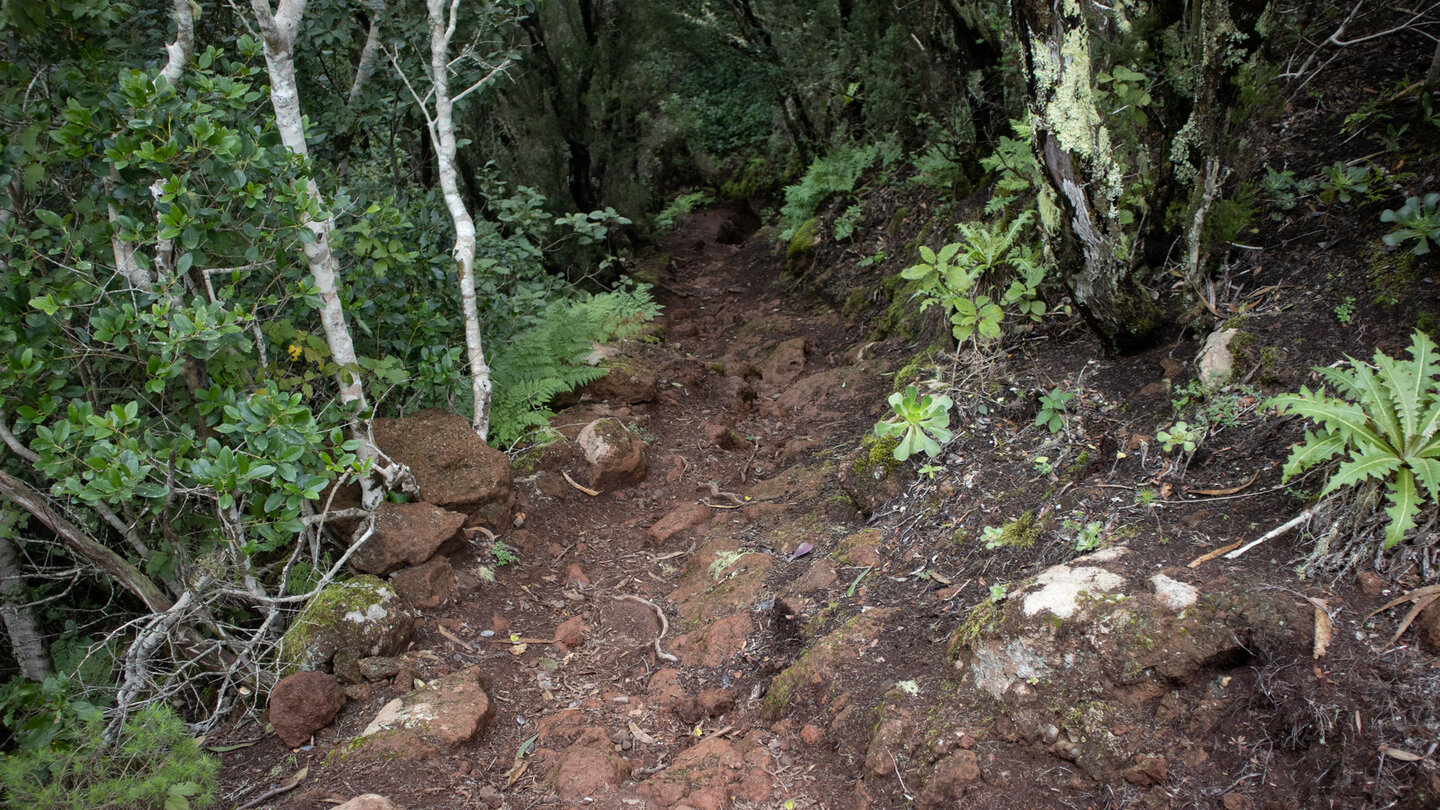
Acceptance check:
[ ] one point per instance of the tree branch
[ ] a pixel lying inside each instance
(83, 545)
(179, 51)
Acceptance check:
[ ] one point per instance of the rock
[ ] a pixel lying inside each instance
(676, 521)
(1060, 586)
(726, 438)
(616, 456)
(360, 617)
(893, 738)
(574, 575)
(1371, 583)
(1147, 771)
(820, 575)
(588, 768)
(1215, 363)
(368, 801)
(1236, 801)
(405, 534)
(626, 383)
(952, 776)
(455, 469)
(811, 735)
(446, 712)
(571, 633)
(784, 365)
(379, 668)
(715, 644)
(428, 585)
(716, 702)
(1174, 594)
(302, 704)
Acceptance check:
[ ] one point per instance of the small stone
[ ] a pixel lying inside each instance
(499, 624)
(716, 702)
(428, 585)
(967, 742)
(1147, 771)
(1236, 801)
(571, 633)
(952, 776)
(676, 521)
(1371, 584)
(574, 575)
(811, 735)
(448, 711)
(302, 704)
(359, 692)
(1215, 362)
(404, 680)
(726, 438)
(615, 455)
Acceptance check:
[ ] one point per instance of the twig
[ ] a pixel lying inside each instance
(664, 624)
(1275, 532)
(588, 491)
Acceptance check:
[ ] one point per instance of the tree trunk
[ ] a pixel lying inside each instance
(442, 131)
(278, 35)
(1074, 148)
(25, 638)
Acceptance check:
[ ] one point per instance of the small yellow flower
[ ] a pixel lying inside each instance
(294, 352)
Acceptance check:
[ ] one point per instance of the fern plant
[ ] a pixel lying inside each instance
(548, 357)
(1385, 418)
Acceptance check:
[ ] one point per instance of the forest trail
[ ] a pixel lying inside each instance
(745, 408)
(764, 610)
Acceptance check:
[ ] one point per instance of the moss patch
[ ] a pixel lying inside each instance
(877, 457)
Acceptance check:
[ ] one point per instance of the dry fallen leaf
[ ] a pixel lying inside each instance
(640, 735)
(1401, 754)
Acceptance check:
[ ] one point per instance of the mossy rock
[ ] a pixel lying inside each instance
(871, 476)
(823, 665)
(800, 253)
(358, 618)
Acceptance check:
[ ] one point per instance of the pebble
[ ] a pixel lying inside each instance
(487, 633)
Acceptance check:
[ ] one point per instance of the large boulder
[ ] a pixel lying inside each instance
(616, 456)
(357, 618)
(454, 467)
(405, 534)
(626, 384)
(446, 712)
(1103, 635)
(302, 704)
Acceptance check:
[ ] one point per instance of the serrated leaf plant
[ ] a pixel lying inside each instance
(1417, 219)
(921, 422)
(1384, 422)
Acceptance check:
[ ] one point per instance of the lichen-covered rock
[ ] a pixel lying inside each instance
(1098, 636)
(446, 712)
(360, 617)
(616, 456)
(1215, 363)
(454, 467)
(302, 704)
(405, 534)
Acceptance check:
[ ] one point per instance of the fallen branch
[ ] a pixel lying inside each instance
(1275, 532)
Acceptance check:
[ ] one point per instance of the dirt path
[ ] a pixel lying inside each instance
(752, 403)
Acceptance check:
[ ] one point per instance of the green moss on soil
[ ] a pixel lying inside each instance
(802, 244)
(877, 456)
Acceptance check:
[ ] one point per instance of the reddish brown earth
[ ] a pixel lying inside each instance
(857, 672)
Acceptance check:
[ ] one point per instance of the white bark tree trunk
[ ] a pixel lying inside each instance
(25, 638)
(277, 32)
(442, 132)
(179, 51)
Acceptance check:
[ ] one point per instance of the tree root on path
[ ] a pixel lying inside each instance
(664, 624)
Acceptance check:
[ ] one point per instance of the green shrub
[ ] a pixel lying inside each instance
(1387, 424)
(62, 762)
(679, 207)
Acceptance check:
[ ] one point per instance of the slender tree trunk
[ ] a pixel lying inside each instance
(442, 131)
(25, 637)
(278, 32)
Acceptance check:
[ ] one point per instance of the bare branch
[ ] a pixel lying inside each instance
(179, 51)
(493, 74)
